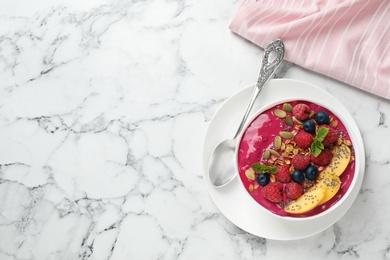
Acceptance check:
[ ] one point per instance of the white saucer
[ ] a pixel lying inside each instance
(233, 200)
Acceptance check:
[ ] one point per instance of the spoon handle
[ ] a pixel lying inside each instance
(269, 64)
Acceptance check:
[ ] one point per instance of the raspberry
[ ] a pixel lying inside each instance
(331, 137)
(293, 190)
(323, 158)
(272, 192)
(300, 162)
(303, 139)
(301, 111)
(283, 174)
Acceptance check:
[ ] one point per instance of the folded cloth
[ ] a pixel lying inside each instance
(348, 40)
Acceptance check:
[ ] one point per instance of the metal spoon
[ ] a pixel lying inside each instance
(221, 165)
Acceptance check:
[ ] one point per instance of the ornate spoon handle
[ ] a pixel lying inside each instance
(268, 68)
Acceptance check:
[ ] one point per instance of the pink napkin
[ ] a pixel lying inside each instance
(346, 40)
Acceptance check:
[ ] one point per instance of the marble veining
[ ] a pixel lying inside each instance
(103, 110)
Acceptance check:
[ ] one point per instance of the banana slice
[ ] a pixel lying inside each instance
(330, 183)
(306, 202)
(340, 160)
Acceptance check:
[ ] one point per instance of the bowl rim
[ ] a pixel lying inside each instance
(350, 133)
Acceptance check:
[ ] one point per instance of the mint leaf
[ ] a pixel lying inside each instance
(259, 168)
(317, 146)
(321, 134)
(273, 169)
(262, 168)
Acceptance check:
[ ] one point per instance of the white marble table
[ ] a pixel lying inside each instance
(103, 110)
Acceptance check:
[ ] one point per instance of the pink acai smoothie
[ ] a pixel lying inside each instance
(259, 137)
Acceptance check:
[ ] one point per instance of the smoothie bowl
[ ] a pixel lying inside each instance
(297, 159)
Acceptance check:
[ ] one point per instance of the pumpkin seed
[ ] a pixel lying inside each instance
(311, 113)
(287, 107)
(267, 155)
(299, 121)
(250, 174)
(289, 121)
(280, 113)
(277, 142)
(274, 153)
(286, 135)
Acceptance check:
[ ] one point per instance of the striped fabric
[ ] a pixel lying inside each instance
(347, 40)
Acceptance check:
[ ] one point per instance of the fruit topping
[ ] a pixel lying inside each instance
(303, 139)
(308, 201)
(340, 160)
(331, 137)
(300, 161)
(283, 174)
(309, 126)
(272, 192)
(324, 158)
(301, 111)
(322, 117)
(311, 172)
(293, 190)
(263, 179)
(331, 184)
(298, 176)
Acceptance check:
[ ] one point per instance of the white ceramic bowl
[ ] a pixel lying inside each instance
(234, 202)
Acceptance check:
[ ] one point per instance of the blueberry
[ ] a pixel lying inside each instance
(311, 172)
(297, 176)
(321, 117)
(263, 179)
(309, 126)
